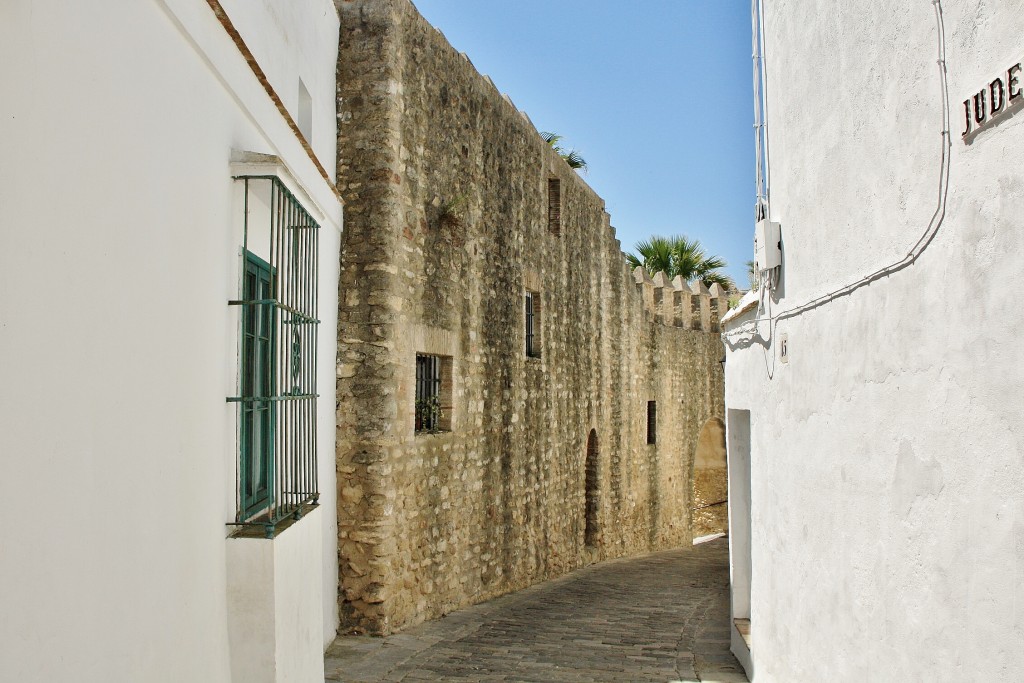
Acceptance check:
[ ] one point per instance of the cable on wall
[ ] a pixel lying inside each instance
(913, 253)
(760, 127)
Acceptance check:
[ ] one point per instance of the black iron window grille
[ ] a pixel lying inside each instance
(277, 470)
(433, 407)
(428, 393)
(533, 325)
(652, 422)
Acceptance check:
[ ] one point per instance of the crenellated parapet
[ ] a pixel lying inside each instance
(677, 303)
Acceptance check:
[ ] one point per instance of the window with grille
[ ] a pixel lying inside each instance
(277, 475)
(652, 422)
(433, 393)
(533, 325)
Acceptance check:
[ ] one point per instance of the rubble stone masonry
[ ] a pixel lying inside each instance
(448, 225)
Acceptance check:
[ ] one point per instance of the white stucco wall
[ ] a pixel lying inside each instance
(296, 40)
(887, 484)
(117, 259)
(274, 605)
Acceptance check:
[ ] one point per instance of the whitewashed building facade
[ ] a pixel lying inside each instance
(169, 239)
(874, 393)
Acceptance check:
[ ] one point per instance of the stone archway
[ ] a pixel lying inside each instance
(710, 479)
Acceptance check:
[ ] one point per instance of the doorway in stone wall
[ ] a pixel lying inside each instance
(710, 479)
(592, 499)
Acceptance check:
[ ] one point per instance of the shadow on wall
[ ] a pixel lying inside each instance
(710, 481)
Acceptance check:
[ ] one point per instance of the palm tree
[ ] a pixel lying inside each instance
(571, 156)
(683, 257)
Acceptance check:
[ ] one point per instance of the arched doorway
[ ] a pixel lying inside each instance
(710, 481)
(591, 490)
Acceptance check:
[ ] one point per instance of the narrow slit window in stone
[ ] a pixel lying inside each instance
(555, 206)
(533, 325)
(652, 422)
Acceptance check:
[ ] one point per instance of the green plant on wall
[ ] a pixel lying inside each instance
(450, 213)
(571, 156)
(428, 414)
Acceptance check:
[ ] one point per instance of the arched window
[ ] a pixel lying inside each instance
(592, 500)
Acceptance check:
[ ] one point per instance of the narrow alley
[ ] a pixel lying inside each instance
(663, 617)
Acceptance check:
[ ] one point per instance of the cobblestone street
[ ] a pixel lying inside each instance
(663, 617)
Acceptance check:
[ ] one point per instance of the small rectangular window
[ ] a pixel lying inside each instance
(533, 325)
(652, 422)
(554, 206)
(433, 393)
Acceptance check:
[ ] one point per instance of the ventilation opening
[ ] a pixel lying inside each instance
(592, 499)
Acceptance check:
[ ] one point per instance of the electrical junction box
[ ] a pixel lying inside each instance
(767, 245)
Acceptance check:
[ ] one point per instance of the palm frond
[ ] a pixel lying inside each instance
(574, 160)
(719, 278)
(709, 264)
(571, 156)
(655, 255)
(682, 256)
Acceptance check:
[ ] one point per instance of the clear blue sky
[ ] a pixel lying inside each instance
(655, 94)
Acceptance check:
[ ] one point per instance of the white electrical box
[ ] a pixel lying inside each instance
(767, 244)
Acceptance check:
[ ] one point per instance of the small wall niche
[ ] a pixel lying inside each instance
(305, 113)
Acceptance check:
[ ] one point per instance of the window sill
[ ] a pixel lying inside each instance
(436, 432)
(257, 529)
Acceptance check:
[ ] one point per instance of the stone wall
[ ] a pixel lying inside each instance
(710, 481)
(446, 187)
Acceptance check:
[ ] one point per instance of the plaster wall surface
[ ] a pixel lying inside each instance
(300, 601)
(293, 41)
(117, 259)
(447, 208)
(887, 510)
(275, 604)
(252, 636)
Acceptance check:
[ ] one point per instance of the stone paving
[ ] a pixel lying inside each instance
(663, 617)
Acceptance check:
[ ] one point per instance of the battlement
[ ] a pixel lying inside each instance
(677, 303)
